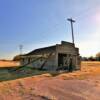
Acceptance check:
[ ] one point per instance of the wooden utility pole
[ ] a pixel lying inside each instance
(72, 21)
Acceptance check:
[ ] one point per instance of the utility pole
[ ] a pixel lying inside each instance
(72, 21)
(20, 48)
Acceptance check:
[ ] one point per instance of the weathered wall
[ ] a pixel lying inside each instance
(69, 50)
(50, 63)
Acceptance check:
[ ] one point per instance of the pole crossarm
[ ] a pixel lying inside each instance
(71, 20)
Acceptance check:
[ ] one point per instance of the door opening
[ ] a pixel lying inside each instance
(62, 61)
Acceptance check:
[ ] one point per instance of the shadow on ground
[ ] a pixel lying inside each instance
(12, 74)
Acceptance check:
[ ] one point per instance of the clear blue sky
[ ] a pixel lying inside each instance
(39, 23)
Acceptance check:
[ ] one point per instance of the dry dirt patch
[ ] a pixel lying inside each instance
(79, 85)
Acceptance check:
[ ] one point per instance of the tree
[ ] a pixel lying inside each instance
(17, 58)
(98, 56)
(91, 58)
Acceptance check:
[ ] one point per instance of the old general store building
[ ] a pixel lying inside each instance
(57, 57)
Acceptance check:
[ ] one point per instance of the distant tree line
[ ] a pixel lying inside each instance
(91, 58)
(17, 58)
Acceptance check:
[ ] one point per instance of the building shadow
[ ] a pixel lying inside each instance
(7, 74)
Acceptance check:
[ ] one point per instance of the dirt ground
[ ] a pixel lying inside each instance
(9, 63)
(79, 85)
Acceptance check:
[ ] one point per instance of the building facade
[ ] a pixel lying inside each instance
(64, 56)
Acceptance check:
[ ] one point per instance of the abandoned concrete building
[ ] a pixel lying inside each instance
(56, 57)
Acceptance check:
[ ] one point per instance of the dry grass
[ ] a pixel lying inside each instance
(87, 69)
(92, 68)
(79, 85)
(8, 63)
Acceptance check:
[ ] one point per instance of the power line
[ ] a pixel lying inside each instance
(21, 49)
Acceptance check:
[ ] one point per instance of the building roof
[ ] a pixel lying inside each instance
(48, 49)
(42, 50)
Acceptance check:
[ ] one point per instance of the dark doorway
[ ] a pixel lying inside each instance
(61, 61)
